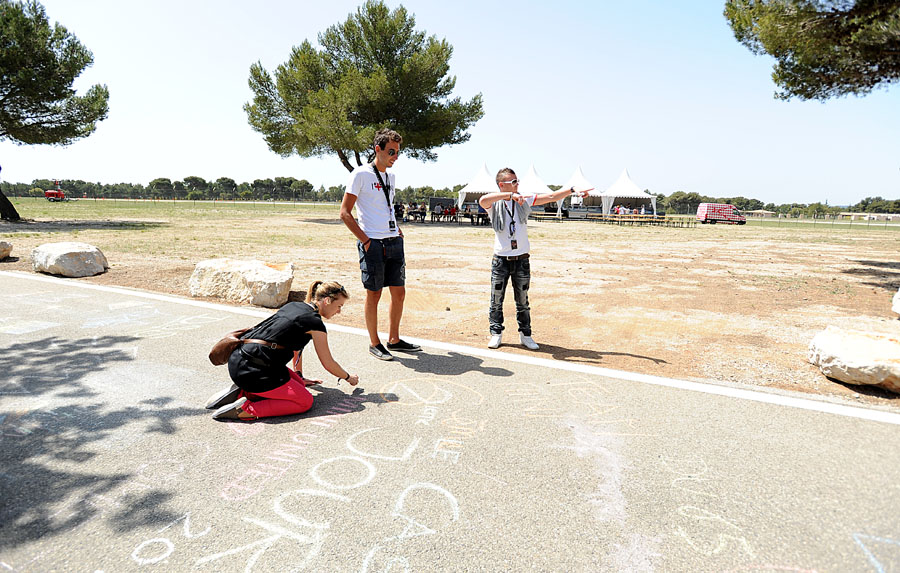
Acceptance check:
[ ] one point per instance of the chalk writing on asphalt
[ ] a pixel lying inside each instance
(702, 530)
(296, 533)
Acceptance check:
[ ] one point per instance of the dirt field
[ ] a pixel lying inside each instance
(731, 304)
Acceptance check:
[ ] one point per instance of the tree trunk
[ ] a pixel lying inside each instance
(7, 211)
(344, 160)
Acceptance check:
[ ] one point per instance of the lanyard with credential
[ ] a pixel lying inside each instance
(387, 197)
(512, 218)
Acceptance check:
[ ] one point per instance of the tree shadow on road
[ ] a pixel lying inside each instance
(55, 430)
(451, 364)
(54, 364)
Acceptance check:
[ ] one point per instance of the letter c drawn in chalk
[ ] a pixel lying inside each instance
(405, 456)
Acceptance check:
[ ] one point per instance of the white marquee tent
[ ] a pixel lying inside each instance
(482, 183)
(624, 191)
(532, 184)
(580, 183)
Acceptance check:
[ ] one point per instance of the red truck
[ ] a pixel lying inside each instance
(720, 213)
(56, 194)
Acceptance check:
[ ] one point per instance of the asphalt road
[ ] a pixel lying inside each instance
(453, 459)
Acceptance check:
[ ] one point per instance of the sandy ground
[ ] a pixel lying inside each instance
(730, 304)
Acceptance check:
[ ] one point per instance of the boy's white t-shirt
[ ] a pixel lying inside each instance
(373, 210)
(502, 239)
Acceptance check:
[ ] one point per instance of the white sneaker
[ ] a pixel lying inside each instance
(528, 342)
(496, 339)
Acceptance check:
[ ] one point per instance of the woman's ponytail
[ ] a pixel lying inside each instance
(320, 289)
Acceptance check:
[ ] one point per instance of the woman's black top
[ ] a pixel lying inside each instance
(257, 368)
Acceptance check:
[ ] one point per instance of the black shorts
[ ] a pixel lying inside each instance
(384, 264)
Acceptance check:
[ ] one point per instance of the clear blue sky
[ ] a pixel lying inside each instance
(658, 87)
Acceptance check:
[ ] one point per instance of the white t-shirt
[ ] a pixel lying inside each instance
(373, 210)
(502, 239)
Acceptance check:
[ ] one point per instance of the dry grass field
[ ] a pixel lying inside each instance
(737, 305)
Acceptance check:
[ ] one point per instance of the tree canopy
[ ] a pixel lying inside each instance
(38, 65)
(374, 70)
(822, 48)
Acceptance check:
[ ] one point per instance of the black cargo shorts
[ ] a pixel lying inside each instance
(384, 264)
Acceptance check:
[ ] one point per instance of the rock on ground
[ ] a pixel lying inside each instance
(5, 249)
(252, 282)
(896, 306)
(68, 259)
(857, 357)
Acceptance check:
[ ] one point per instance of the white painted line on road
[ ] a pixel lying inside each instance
(138, 293)
(754, 395)
(790, 401)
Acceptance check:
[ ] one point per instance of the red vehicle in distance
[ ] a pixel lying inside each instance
(56, 194)
(720, 213)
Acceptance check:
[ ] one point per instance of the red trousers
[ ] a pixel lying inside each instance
(292, 397)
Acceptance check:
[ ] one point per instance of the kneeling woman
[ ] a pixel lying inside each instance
(263, 385)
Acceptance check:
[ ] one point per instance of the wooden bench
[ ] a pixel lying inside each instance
(474, 218)
(642, 220)
(545, 217)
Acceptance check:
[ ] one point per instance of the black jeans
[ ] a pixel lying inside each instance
(502, 270)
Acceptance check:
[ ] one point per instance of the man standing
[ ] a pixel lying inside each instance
(379, 241)
(508, 212)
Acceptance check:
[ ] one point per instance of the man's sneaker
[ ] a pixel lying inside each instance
(231, 411)
(219, 399)
(528, 342)
(403, 346)
(380, 352)
(496, 339)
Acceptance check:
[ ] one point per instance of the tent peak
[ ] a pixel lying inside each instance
(532, 184)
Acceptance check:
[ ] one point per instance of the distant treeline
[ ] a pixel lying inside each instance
(682, 202)
(199, 189)
(291, 189)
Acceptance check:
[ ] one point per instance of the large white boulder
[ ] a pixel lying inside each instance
(895, 307)
(5, 249)
(857, 357)
(253, 282)
(68, 259)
